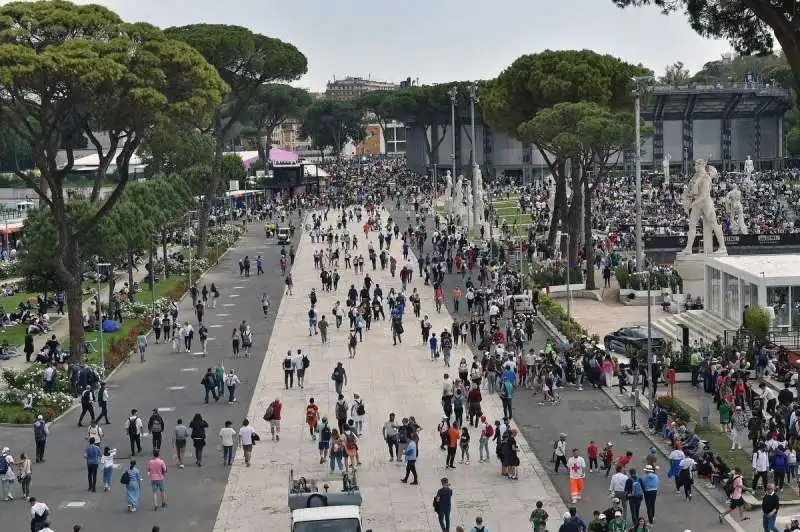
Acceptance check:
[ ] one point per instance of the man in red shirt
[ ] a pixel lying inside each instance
(592, 453)
(273, 415)
(623, 461)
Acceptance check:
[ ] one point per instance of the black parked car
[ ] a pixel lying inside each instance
(619, 340)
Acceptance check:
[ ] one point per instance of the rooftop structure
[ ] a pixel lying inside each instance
(352, 88)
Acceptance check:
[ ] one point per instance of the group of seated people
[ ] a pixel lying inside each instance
(9, 289)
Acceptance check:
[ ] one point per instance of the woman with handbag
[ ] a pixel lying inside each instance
(132, 480)
(198, 427)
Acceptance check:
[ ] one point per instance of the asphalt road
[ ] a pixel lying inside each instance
(170, 382)
(584, 416)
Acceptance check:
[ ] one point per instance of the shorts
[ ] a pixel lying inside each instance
(737, 503)
(180, 444)
(275, 423)
(324, 445)
(158, 486)
(301, 372)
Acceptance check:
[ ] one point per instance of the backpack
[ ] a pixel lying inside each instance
(156, 426)
(3, 465)
(353, 342)
(269, 414)
(325, 433)
(458, 402)
(489, 431)
(360, 410)
(636, 488)
(39, 433)
(306, 362)
(341, 410)
(779, 462)
(133, 430)
(125, 478)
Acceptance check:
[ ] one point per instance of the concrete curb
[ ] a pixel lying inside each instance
(115, 370)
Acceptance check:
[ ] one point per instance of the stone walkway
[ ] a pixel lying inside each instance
(390, 379)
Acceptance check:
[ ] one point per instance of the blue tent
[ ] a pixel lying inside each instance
(110, 326)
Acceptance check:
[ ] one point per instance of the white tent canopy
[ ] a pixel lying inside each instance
(312, 170)
(92, 161)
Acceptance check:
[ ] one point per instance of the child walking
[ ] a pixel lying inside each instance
(108, 466)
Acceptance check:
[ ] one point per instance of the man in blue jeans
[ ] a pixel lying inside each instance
(506, 393)
(769, 507)
(443, 504)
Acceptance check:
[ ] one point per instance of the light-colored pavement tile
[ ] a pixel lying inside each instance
(398, 379)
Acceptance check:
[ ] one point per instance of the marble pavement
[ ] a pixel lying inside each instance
(398, 379)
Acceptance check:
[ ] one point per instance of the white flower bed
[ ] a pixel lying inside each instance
(136, 310)
(8, 269)
(223, 236)
(58, 401)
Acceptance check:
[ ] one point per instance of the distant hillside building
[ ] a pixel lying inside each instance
(352, 88)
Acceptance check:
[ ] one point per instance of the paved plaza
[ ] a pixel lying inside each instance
(398, 379)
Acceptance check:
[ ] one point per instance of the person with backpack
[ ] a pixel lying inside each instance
(288, 370)
(133, 428)
(735, 491)
(209, 384)
(351, 444)
(339, 378)
(352, 343)
(341, 411)
(155, 425)
(487, 433)
(40, 515)
(231, 382)
(300, 362)
(779, 463)
(479, 526)
(40, 434)
(247, 340)
(357, 413)
(273, 416)
(325, 434)
(202, 334)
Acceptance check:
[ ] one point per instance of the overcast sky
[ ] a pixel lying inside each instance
(439, 40)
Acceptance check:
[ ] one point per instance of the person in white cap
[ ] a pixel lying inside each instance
(738, 427)
(618, 524)
(7, 475)
(651, 483)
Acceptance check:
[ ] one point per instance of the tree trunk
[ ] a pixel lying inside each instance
(559, 205)
(164, 251)
(574, 225)
(208, 199)
(112, 287)
(74, 295)
(131, 294)
(587, 235)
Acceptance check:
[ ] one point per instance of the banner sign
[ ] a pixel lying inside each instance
(677, 243)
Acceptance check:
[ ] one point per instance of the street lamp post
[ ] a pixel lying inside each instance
(639, 85)
(100, 312)
(473, 98)
(453, 92)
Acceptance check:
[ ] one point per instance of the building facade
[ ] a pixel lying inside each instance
(724, 125)
(353, 88)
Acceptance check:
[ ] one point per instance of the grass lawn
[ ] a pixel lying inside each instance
(15, 413)
(720, 442)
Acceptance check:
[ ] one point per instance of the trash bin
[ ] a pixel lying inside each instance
(625, 417)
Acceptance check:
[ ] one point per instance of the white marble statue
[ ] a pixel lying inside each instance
(698, 204)
(458, 197)
(448, 191)
(733, 204)
(480, 203)
(469, 205)
(665, 167)
(749, 167)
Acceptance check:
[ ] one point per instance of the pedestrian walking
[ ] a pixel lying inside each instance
(651, 483)
(770, 505)
(182, 434)
(24, 474)
(132, 480)
(108, 466)
(156, 427)
(339, 378)
(288, 370)
(248, 438)
(411, 461)
(40, 515)
(141, 342)
(273, 417)
(40, 434)
(87, 398)
(134, 429)
(231, 382)
(442, 504)
(198, 426)
(576, 466)
(93, 456)
(209, 383)
(102, 400)
(157, 471)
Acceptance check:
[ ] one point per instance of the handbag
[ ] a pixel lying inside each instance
(256, 438)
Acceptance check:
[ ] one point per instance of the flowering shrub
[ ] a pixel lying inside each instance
(553, 274)
(9, 268)
(223, 236)
(182, 267)
(134, 310)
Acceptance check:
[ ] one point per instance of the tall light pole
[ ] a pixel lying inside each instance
(639, 84)
(100, 312)
(473, 99)
(453, 92)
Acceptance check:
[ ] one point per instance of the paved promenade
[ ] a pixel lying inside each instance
(398, 379)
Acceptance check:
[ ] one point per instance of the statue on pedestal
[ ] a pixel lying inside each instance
(477, 190)
(733, 204)
(698, 204)
(749, 166)
(665, 167)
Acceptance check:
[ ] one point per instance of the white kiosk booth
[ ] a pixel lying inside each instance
(770, 281)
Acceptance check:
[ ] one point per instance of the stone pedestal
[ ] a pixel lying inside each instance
(692, 269)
